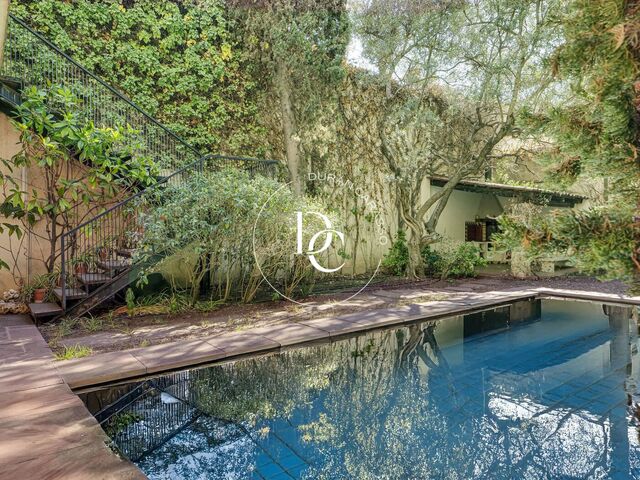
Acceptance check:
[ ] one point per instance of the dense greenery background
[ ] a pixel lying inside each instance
(179, 60)
(273, 82)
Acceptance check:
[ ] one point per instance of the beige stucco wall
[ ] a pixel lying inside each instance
(9, 146)
(465, 207)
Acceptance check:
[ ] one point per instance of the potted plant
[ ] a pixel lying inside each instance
(80, 264)
(103, 253)
(40, 284)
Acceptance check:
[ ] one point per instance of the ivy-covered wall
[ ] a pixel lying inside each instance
(179, 60)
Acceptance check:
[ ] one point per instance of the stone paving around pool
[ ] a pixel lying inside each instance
(133, 363)
(49, 434)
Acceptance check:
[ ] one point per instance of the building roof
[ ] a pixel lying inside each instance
(539, 196)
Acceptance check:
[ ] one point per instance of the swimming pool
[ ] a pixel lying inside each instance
(536, 389)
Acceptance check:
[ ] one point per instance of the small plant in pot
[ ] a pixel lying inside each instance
(80, 265)
(103, 253)
(40, 284)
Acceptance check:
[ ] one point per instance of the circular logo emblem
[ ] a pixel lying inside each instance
(315, 239)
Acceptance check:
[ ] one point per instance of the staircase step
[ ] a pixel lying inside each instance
(13, 82)
(114, 264)
(9, 98)
(126, 252)
(70, 293)
(93, 278)
(43, 310)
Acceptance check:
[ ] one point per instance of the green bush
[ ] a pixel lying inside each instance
(452, 260)
(432, 261)
(397, 258)
(204, 232)
(601, 240)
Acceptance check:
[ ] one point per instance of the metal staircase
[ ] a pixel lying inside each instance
(97, 258)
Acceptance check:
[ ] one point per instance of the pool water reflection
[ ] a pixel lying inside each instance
(531, 390)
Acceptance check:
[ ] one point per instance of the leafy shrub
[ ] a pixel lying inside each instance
(452, 260)
(208, 224)
(83, 168)
(397, 258)
(432, 261)
(180, 60)
(602, 240)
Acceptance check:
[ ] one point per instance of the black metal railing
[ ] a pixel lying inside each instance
(35, 61)
(149, 416)
(103, 247)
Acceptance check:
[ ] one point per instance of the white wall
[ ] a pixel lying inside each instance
(465, 207)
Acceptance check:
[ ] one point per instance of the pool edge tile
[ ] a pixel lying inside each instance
(174, 355)
(100, 368)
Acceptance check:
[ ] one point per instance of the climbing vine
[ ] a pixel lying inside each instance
(178, 59)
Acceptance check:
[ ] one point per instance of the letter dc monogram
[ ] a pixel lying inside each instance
(311, 252)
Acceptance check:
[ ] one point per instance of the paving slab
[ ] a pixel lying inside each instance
(47, 432)
(587, 295)
(93, 461)
(102, 368)
(241, 343)
(13, 333)
(333, 326)
(11, 352)
(378, 318)
(27, 374)
(174, 355)
(31, 436)
(38, 400)
(404, 293)
(291, 333)
(11, 320)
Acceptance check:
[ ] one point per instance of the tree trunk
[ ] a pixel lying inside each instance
(289, 128)
(415, 227)
(415, 268)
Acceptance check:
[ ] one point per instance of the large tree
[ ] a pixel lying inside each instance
(597, 136)
(456, 77)
(297, 48)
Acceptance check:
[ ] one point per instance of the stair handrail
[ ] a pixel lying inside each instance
(88, 72)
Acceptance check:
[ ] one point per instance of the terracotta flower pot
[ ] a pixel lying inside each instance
(39, 294)
(80, 268)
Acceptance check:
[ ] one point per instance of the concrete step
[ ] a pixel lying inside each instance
(70, 293)
(114, 265)
(44, 310)
(93, 278)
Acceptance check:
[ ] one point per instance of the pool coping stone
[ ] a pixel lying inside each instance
(182, 354)
(79, 373)
(47, 430)
(49, 433)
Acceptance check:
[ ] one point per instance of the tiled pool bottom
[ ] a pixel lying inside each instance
(532, 390)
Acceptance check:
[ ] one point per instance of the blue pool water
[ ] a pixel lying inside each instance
(534, 390)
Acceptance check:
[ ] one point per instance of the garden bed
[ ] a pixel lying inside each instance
(113, 332)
